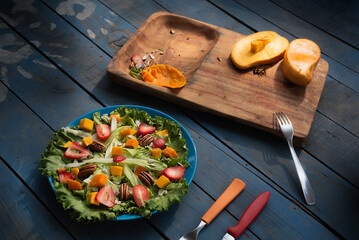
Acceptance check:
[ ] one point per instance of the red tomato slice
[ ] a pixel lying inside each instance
(140, 194)
(103, 131)
(76, 151)
(64, 175)
(106, 196)
(118, 158)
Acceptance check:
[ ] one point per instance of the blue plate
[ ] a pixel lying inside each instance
(191, 157)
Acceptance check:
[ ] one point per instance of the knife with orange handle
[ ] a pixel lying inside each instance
(248, 216)
(227, 196)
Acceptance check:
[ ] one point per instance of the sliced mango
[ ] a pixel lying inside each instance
(300, 60)
(164, 75)
(258, 49)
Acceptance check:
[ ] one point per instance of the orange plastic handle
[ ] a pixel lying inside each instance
(227, 196)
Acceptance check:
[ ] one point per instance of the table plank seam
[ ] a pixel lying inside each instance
(255, 30)
(35, 195)
(83, 86)
(261, 175)
(314, 25)
(71, 76)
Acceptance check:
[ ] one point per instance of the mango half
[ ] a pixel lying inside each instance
(300, 60)
(258, 49)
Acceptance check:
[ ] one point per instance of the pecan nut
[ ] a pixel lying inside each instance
(146, 178)
(124, 192)
(145, 140)
(96, 146)
(86, 171)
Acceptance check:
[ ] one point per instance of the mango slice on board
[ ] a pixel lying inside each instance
(300, 60)
(258, 49)
(164, 75)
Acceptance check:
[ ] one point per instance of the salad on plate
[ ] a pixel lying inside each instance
(125, 162)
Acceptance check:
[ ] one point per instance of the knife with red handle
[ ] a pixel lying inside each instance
(248, 216)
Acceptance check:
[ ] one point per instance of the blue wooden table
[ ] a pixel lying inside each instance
(53, 59)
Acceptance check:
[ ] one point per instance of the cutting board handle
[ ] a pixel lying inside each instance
(227, 196)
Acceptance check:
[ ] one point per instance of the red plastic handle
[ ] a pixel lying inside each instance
(248, 216)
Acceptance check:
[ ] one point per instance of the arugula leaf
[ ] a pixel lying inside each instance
(136, 73)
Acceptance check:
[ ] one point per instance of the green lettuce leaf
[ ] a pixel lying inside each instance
(53, 158)
(79, 208)
(175, 192)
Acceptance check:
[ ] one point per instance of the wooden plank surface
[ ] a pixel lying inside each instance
(105, 93)
(288, 159)
(333, 103)
(217, 86)
(22, 213)
(337, 18)
(343, 53)
(250, 143)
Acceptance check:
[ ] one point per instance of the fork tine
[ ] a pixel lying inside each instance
(279, 118)
(287, 118)
(284, 118)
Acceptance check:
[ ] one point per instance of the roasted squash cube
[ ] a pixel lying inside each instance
(73, 185)
(99, 180)
(170, 152)
(162, 182)
(128, 131)
(162, 133)
(156, 153)
(68, 144)
(86, 141)
(131, 143)
(86, 124)
(92, 198)
(116, 151)
(116, 171)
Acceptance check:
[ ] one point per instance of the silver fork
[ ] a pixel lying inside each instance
(287, 130)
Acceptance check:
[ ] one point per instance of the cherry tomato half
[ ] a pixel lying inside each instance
(103, 131)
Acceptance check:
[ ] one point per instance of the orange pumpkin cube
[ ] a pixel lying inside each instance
(99, 180)
(86, 141)
(128, 131)
(73, 185)
(92, 198)
(131, 143)
(170, 152)
(116, 151)
(162, 182)
(156, 153)
(86, 124)
(68, 144)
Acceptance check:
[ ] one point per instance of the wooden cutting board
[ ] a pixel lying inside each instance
(202, 53)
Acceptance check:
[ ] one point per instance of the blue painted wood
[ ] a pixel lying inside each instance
(103, 26)
(339, 18)
(333, 110)
(114, 95)
(333, 104)
(336, 69)
(21, 212)
(294, 185)
(192, 208)
(22, 146)
(280, 218)
(335, 198)
(301, 29)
